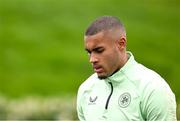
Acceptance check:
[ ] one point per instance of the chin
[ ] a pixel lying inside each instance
(102, 76)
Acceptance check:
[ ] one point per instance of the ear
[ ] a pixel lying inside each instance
(122, 43)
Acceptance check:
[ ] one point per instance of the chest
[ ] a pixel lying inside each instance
(112, 102)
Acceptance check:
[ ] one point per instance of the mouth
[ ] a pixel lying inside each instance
(97, 69)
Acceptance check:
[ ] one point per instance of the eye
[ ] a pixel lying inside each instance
(99, 50)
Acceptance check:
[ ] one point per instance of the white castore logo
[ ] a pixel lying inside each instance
(92, 100)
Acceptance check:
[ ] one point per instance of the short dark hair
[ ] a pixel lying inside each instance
(104, 23)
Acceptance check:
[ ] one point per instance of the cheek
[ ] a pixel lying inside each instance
(114, 59)
(111, 60)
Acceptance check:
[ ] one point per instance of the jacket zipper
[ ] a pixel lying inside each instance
(107, 102)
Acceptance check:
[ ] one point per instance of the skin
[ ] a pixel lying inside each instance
(107, 52)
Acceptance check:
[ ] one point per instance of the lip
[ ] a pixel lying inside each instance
(98, 69)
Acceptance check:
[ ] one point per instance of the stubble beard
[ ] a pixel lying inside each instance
(103, 76)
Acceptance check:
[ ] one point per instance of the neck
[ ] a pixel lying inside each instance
(123, 61)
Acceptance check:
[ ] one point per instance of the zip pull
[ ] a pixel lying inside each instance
(107, 102)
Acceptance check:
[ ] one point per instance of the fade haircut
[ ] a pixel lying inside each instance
(104, 23)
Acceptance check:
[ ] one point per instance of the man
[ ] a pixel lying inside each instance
(121, 89)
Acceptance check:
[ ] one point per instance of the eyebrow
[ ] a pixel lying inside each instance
(95, 49)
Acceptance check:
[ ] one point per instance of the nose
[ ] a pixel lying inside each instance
(93, 58)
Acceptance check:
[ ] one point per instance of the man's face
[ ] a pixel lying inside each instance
(104, 54)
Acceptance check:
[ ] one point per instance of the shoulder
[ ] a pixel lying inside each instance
(88, 83)
(151, 78)
(147, 80)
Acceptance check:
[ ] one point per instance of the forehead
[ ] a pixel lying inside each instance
(99, 39)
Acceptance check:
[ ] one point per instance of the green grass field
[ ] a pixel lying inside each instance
(41, 42)
(42, 53)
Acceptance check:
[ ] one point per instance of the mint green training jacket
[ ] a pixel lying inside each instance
(134, 93)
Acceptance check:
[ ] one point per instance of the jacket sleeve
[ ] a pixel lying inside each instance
(79, 106)
(159, 104)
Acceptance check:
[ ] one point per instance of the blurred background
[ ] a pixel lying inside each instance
(42, 58)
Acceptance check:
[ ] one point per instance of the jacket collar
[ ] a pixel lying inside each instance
(123, 72)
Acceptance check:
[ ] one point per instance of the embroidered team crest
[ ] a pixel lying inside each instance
(124, 100)
(92, 100)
